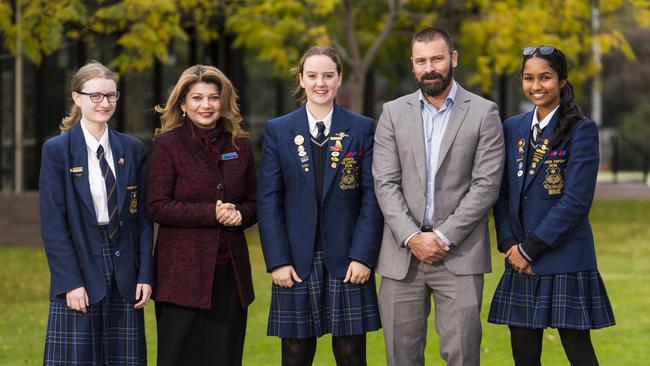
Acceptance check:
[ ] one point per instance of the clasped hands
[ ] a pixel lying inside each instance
(77, 299)
(518, 262)
(286, 276)
(428, 247)
(227, 214)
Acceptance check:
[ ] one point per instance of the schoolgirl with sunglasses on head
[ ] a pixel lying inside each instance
(551, 277)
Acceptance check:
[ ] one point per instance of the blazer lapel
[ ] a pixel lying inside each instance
(456, 118)
(79, 154)
(300, 136)
(522, 134)
(340, 125)
(546, 136)
(121, 164)
(413, 122)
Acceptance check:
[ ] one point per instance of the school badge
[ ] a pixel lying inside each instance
(133, 203)
(553, 182)
(350, 177)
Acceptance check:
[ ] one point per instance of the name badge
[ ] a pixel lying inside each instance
(229, 156)
(77, 171)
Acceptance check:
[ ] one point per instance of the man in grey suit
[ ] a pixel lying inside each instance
(438, 162)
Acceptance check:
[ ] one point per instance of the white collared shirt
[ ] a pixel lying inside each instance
(95, 178)
(313, 130)
(545, 121)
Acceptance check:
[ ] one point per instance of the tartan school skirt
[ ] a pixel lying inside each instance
(569, 300)
(322, 304)
(110, 333)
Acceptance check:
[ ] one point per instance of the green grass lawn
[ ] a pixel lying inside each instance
(622, 231)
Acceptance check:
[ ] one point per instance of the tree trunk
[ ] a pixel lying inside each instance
(357, 84)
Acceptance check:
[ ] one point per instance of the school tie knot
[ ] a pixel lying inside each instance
(321, 131)
(100, 152)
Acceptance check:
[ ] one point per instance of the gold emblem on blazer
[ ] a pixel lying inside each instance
(133, 199)
(553, 182)
(350, 177)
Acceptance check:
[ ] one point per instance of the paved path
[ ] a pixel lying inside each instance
(622, 191)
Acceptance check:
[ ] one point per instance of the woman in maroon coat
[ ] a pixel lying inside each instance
(202, 194)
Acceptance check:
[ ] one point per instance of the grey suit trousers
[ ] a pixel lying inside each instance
(405, 305)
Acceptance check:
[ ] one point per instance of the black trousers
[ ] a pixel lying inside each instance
(188, 336)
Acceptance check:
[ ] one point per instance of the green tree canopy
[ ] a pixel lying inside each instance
(492, 41)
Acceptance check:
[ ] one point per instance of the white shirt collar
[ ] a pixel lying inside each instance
(313, 130)
(91, 142)
(545, 121)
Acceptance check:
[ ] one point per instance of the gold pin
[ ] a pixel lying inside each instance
(298, 140)
(121, 161)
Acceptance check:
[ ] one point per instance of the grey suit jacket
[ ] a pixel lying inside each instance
(468, 179)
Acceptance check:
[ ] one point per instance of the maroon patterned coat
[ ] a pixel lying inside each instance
(186, 178)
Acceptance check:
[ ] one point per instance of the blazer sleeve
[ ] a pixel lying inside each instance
(145, 273)
(270, 206)
(163, 208)
(248, 206)
(367, 235)
(579, 188)
(387, 172)
(487, 172)
(62, 258)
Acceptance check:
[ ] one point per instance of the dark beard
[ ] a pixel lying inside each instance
(435, 89)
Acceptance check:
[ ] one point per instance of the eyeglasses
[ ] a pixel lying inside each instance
(543, 50)
(99, 97)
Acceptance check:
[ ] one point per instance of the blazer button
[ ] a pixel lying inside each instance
(526, 198)
(117, 253)
(121, 222)
(220, 187)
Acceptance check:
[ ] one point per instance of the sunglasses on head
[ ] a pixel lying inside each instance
(543, 50)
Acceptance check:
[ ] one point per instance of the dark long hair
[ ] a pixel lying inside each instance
(569, 112)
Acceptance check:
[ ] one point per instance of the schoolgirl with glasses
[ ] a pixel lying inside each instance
(96, 232)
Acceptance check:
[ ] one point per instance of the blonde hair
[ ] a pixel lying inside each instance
(171, 116)
(91, 70)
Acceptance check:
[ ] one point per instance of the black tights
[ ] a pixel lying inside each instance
(348, 351)
(527, 346)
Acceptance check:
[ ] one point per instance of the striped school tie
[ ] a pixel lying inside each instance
(320, 136)
(111, 194)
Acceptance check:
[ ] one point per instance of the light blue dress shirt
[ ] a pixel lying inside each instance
(434, 125)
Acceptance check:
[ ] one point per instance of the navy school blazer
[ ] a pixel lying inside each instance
(351, 221)
(548, 211)
(71, 234)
